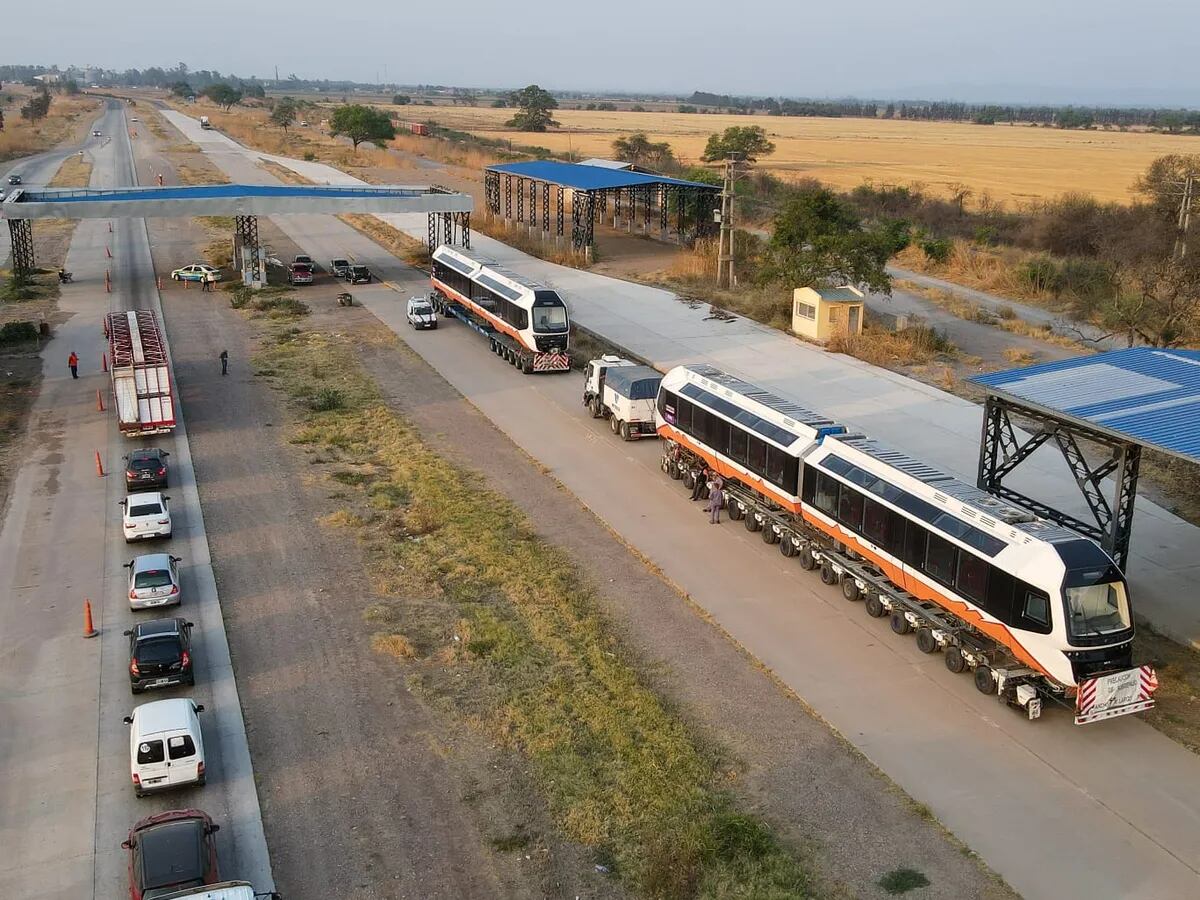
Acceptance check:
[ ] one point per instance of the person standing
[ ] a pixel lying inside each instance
(73, 363)
(224, 357)
(700, 478)
(716, 499)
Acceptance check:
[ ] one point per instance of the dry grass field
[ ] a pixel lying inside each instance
(1011, 163)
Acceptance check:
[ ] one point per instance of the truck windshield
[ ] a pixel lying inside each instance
(549, 318)
(1097, 603)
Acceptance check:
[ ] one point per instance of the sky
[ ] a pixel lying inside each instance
(1032, 51)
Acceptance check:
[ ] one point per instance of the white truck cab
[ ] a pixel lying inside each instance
(623, 392)
(421, 313)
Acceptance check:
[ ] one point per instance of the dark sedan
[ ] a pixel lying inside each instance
(160, 654)
(359, 275)
(170, 852)
(146, 468)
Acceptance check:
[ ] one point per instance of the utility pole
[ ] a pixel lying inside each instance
(725, 238)
(1185, 214)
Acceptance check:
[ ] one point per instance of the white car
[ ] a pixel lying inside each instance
(95, 132)
(421, 313)
(147, 515)
(196, 272)
(166, 747)
(154, 581)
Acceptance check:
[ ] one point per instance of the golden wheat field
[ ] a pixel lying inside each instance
(1011, 163)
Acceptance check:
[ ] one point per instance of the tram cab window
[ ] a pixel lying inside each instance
(1036, 607)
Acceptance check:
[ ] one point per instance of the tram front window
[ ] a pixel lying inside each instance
(550, 318)
(1097, 603)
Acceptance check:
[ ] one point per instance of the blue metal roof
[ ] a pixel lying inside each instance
(589, 178)
(214, 191)
(1144, 395)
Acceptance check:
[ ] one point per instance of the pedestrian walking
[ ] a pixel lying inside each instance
(73, 362)
(716, 500)
(224, 357)
(700, 479)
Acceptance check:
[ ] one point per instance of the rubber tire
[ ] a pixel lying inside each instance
(828, 575)
(736, 511)
(953, 659)
(689, 479)
(874, 606)
(752, 523)
(134, 689)
(673, 471)
(623, 430)
(191, 680)
(899, 623)
(984, 682)
(201, 781)
(597, 410)
(788, 547)
(614, 423)
(850, 589)
(769, 536)
(527, 366)
(926, 642)
(808, 562)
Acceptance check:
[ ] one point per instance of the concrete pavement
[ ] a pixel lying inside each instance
(1057, 810)
(66, 801)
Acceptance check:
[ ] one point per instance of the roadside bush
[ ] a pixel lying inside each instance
(309, 156)
(1042, 275)
(18, 332)
(937, 250)
(326, 400)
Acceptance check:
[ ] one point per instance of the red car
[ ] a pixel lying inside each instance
(171, 851)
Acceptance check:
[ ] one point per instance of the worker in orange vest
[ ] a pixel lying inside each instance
(73, 362)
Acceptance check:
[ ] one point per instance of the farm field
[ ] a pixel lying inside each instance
(1011, 163)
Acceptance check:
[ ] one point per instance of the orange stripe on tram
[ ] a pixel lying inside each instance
(500, 324)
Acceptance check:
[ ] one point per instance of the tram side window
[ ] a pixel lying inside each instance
(914, 544)
(1035, 611)
(826, 498)
(718, 434)
(877, 523)
(683, 413)
(850, 508)
(972, 576)
(737, 445)
(810, 485)
(999, 598)
(776, 466)
(791, 475)
(756, 454)
(941, 559)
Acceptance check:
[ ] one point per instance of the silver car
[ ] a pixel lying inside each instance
(154, 581)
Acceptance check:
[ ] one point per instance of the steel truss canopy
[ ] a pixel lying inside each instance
(230, 200)
(1109, 407)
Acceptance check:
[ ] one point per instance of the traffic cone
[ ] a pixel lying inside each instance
(110, 227)
(99, 465)
(99, 401)
(104, 361)
(89, 630)
(108, 253)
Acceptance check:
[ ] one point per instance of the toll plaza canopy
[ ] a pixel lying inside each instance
(229, 200)
(687, 206)
(1120, 401)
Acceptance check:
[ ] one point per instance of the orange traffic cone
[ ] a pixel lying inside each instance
(89, 630)
(99, 466)
(104, 361)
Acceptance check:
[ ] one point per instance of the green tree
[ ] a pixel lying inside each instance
(37, 107)
(641, 151)
(362, 123)
(284, 113)
(534, 105)
(1162, 182)
(819, 240)
(182, 89)
(223, 95)
(70, 86)
(748, 142)
(401, 100)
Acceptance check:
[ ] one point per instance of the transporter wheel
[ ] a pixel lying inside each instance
(672, 470)
(828, 575)
(527, 365)
(769, 535)
(850, 589)
(623, 430)
(614, 423)
(596, 408)
(984, 682)
(737, 512)
(953, 659)
(689, 479)
(808, 562)
(874, 606)
(752, 523)
(788, 547)
(899, 623)
(926, 642)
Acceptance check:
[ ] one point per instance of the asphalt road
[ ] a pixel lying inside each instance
(1059, 811)
(66, 801)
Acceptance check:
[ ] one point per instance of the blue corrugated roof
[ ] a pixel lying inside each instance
(1146, 395)
(588, 178)
(218, 191)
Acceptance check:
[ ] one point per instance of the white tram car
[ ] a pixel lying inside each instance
(525, 321)
(1035, 609)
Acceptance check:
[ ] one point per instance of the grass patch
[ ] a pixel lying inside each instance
(519, 650)
(914, 345)
(75, 171)
(901, 881)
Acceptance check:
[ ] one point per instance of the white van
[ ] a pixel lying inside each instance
(166, 749)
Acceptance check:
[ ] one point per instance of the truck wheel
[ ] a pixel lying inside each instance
(614, 424)
(673, 471)
(874, 606)
(900, 624)
(596, 408)
(828, 575)
(526, 365)
(752, 523)
(984, 682)
(737, 512)
(953, 659)
(625, 433)
(769, 535)
(926, 642)
(807, 561)
(850, 589)
(788, 547)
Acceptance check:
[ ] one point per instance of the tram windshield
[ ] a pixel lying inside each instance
(549, 313)
(1097, 602)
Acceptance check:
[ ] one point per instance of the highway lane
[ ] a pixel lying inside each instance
(66, 801)
(1107, 810)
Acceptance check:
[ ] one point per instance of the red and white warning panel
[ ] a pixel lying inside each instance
(1117, 694)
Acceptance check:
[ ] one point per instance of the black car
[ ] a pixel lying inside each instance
(160, 654)
(14, 179)
(359, 275)
(146, 468)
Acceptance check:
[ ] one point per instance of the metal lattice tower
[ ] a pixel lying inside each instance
(21, 232)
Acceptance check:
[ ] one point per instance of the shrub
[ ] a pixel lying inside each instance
(326, 400)
(309, 156)
(1041, 274)
(18, 332)
(937, 250)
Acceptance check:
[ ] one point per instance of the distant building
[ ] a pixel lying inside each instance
(609, 164)
(820, 313)
(48, 78)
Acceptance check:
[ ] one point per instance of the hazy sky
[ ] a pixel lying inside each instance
(1090, 51)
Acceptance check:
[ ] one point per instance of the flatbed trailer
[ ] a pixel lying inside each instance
(141, 373)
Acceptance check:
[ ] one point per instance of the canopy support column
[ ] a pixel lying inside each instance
(21, 233)
(250, 253)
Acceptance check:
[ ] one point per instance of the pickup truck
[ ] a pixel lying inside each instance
(624, 393)
(300, 273)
